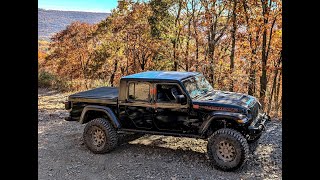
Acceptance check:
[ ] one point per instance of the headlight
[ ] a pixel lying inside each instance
(242, 118)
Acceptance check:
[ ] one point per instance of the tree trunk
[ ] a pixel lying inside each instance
(176, 40)
(175, 63)
(274, 83)
(134, 55)
(211, 58)
(272, 89)
(114, 72)
(277, 104)
(197, 54)
(252, 77)
(211, 49)
(263, 78)
(252, 71)
(196, 35)
(127, 55)
(187, 48)
(233, 36)
(144, 58)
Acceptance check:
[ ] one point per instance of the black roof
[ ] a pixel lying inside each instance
(160, 75)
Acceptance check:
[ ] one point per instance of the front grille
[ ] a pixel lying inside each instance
(254, 110)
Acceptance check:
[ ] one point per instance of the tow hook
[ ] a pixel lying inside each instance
(268, 118)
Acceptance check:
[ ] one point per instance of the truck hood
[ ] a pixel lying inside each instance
(226, 99)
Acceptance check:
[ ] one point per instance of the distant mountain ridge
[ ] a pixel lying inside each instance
(53, 21)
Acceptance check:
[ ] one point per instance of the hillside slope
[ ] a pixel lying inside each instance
(53, 21)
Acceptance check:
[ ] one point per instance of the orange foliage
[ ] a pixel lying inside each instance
(193, 35)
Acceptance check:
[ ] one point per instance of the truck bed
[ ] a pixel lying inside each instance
(97, 95)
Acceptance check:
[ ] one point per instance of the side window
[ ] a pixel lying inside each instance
(167, 93)
(139, 91)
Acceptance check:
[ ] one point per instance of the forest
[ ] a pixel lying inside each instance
(236, 44)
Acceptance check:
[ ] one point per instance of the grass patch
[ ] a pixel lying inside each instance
(51, 81)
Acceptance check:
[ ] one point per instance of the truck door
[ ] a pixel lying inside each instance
(137, 111)
(169, 115)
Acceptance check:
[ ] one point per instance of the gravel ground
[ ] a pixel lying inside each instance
(63, 155)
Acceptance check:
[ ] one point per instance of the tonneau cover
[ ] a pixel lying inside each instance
(102, 93)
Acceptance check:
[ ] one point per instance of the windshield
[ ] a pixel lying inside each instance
(197, 86)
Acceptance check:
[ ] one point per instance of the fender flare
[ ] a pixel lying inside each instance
(115, 122)
(218, 115)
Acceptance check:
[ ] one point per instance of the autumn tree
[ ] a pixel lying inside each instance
(269, 22)
(72, 50)
(233, 36)
(217, 19)
(236, 44)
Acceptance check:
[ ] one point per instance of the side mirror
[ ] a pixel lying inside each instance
(182, 99)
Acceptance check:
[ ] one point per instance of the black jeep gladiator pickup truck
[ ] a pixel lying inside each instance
(170, 103)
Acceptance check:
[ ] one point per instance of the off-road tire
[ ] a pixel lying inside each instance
(107, 139)
(236, 142)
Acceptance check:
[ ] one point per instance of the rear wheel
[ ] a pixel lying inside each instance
(99, 136)
(227, 149)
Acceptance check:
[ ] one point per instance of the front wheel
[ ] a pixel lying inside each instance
(100, 136)
(227, 149)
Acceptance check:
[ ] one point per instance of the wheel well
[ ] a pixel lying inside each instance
(90, 115)
(221, 123)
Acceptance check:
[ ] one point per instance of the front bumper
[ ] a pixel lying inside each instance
(258, 125)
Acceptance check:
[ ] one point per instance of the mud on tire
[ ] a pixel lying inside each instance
(100, 136)
(227, 149)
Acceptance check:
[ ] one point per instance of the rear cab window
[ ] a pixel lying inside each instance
(139, 91)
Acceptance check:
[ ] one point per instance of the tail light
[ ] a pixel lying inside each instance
(67, 105)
